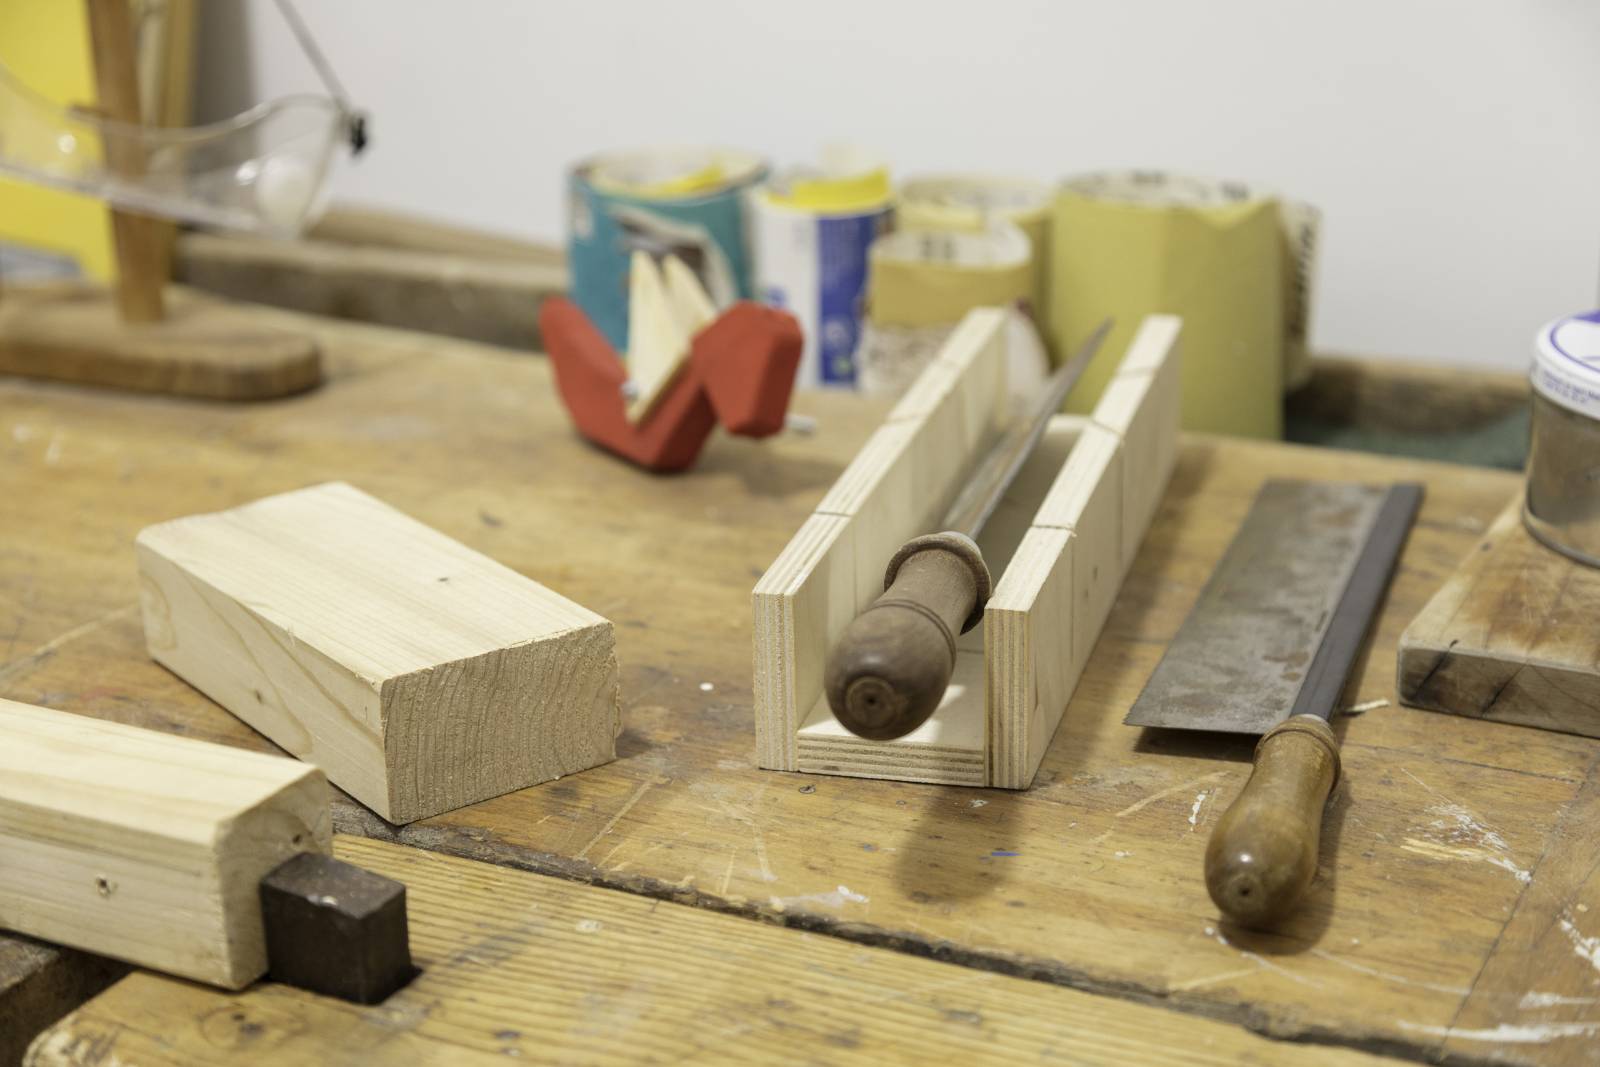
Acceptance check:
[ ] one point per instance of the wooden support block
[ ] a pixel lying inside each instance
(1511, 636)
(495, 299)
(336, 929)
(145, 846)
(421, 675)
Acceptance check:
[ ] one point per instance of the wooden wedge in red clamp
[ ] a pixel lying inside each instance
(740, 373)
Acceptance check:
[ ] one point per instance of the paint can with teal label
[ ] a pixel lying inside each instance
(685, 202)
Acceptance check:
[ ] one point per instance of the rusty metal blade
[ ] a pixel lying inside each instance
(1282, 619)
(998, 468)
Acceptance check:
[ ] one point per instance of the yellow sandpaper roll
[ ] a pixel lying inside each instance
(1222, 256)
(972, 203)
(934, 277)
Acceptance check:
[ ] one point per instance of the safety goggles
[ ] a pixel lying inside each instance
(263, 171)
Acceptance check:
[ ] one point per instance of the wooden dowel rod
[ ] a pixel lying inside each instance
(141, 256)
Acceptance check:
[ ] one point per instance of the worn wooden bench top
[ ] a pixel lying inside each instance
(1457, 909)
(519, 966)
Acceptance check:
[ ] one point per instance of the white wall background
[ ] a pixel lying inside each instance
(1454, 147)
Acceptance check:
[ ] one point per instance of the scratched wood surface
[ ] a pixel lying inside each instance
(1512, 636)
(39, 983)
(1453, 912)
(521, 966)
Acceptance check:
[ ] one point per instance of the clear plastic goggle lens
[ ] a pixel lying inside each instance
(262, 171)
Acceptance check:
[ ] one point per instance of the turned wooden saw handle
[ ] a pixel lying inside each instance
(1263, 852)
(893, 662)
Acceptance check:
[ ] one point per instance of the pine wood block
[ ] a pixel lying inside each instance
(144, 846)
(421, 675)
(1511, 636)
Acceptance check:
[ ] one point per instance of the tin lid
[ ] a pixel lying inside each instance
(1566, 364)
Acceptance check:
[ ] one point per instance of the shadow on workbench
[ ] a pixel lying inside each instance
(1450, 414)
(927, 858)
(763, 474)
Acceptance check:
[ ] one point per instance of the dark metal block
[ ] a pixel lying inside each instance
(335, 928)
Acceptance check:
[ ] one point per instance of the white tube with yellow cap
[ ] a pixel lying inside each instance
(810, 232)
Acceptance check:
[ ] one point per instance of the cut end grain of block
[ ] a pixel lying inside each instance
(421, 675)
(147, 847)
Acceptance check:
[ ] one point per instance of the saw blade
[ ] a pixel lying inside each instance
(997, 469)
(1282, 619)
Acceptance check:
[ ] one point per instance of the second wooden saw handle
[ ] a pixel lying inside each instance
(893, 662)
(1263, 853)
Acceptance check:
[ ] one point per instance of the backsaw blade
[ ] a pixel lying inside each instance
(1282, 619)
(998, 468)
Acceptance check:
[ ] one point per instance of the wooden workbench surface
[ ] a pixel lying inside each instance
(1457, 910)
(522, 966)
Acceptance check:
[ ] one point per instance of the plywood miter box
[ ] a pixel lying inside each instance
(420, 674)
(1058, 546)
(147, 847)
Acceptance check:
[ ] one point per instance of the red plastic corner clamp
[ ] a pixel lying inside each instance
(740, 372)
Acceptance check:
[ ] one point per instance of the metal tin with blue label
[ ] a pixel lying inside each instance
(811, 236)
(686, 202)
(1562, 507)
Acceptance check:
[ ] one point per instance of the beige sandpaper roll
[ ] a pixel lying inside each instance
(971, 203)
(1234, 261)
(923, 282)
(962, 242)
(925, 277)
